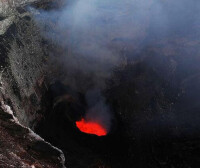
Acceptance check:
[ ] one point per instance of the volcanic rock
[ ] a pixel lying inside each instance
(22, 60)
(21, 147)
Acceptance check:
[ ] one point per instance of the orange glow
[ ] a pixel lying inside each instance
(91, 127)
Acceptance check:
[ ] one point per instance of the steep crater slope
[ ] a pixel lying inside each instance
(22, 70)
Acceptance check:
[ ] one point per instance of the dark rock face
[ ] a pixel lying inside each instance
(21, 147)
(22, 70)
(23, 60)
(157, 101)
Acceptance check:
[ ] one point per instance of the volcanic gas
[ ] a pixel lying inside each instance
(91, 127)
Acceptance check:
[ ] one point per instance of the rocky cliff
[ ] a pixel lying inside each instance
(22, 62)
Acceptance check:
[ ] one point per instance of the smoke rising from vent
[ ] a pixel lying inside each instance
(95, 34)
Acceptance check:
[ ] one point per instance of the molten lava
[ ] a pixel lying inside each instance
(91, 127)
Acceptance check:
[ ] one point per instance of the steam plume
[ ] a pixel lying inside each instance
(95, 33)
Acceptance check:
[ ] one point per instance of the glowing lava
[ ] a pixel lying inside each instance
(91, 127)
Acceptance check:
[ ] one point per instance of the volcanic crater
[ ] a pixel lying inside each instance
(137, 106)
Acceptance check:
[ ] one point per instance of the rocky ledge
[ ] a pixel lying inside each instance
(21, 147)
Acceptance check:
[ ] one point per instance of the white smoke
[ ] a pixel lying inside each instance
(96, 33)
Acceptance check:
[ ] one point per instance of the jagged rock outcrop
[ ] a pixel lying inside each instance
(22, 83)
(21, 147)
(23, 54)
